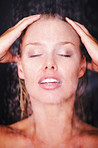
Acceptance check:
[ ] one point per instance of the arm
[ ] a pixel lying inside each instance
(10, 137)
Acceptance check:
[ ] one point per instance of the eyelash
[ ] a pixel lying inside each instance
(65, 55)
(36, 55)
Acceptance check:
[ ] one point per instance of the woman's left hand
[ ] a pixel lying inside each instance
(89, 42)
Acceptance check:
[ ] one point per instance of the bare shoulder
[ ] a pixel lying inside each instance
(17, 135)
(89, 139)
(89, 129)
(26, 125)
(87, 135)
(85, 141)
(91, 135)
(83, 128)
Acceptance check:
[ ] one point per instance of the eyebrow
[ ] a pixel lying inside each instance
(34, 43)
(63, 43)
(40, 44)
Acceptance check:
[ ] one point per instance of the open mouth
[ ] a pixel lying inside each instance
(50, 83)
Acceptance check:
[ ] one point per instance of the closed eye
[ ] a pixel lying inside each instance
(66, 55)
(35, 55)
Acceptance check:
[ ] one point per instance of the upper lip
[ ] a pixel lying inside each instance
(49, 77)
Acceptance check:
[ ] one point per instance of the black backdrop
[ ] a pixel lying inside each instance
(11, 11)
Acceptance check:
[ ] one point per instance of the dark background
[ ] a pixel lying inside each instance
(11, 11)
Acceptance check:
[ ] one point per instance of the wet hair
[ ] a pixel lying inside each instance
(82, 84)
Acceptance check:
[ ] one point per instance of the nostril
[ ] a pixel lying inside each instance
(52, 67)
(49, 67)
(46, 67)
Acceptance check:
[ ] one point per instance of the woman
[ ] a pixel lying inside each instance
(50, 63)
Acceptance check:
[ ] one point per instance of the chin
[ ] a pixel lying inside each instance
(57, 96)
(50, 99)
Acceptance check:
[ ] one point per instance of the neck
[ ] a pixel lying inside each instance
(53, 122)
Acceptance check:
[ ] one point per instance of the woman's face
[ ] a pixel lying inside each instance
(51, 62)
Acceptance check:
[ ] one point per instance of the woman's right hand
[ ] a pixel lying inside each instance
(10, 36)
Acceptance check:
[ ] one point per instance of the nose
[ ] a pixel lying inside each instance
(50, 64)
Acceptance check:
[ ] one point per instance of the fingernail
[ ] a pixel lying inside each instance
(38, 15)
(67, 18)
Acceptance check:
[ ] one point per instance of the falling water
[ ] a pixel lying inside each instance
(19, 9)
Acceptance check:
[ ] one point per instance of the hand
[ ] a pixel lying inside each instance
(9, 37)
(89, 42)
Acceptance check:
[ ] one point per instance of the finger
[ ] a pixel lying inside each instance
(14, 59)
(83, 28)
(78, 29)
(91, 66)
(25, 23)
(11, 57)
(27, 20)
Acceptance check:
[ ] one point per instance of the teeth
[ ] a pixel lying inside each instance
(49, 81)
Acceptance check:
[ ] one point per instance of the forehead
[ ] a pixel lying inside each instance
(52, 30)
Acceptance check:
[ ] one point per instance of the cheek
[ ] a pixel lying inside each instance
(71, 81)
(30, 67)
(30, 72)
(70, 73)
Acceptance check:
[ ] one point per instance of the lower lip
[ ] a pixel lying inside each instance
(51, 86)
